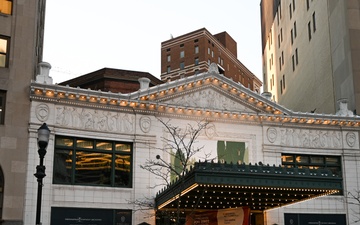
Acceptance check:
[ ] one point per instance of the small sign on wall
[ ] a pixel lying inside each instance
(85, 216)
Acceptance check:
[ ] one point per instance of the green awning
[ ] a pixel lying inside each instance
(208, 186)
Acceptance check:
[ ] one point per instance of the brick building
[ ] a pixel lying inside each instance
(192, 53)
(114, 80)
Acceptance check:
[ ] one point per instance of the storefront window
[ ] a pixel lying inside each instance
(92, 162)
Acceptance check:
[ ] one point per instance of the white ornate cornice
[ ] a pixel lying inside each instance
(248, 106)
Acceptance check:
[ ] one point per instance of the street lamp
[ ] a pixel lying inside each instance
(43, 140)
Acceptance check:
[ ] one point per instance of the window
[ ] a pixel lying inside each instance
(196, 40)
(284, 81)
(295, 29)
(80, 161)
(290, 11)
(281, 35)
(169, 58)
(293, 63)
(1, 191)
(293, 5)
(209, 61)
(281, 87)
(282, 57)
(196, 61)
(212, 53)
(182, 54)
(6, 8)
(296, 56)
(309, 30)
(292, 36)
(168, 50)
(168, 69)
(208, 51)
(307, 4)
(196, 49)
(182, 65)
(280, 62)
(2, 106)
(4, 51)
(181, 45)
(314, 22)
(333, 163)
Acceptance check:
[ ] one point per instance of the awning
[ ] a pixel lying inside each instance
(208, 186)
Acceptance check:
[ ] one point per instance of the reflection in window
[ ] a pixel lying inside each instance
(332, 163)
(92, 162)
(4, 51)
(6, 6)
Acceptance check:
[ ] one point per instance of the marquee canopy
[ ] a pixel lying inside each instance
(208, 186)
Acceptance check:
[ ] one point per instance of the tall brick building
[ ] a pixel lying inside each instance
(193, 53)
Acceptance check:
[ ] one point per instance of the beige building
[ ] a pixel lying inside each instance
(311, 53)
(21, 35)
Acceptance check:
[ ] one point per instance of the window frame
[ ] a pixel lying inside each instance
(7, 51)
(309, 164)
(75, 148)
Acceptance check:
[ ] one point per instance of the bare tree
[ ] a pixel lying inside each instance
(180, 147)
(353, 198)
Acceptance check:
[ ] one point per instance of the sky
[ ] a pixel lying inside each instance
(82, 36)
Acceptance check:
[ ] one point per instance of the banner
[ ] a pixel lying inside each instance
(239, 216)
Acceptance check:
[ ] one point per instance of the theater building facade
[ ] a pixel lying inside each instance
(280, 166)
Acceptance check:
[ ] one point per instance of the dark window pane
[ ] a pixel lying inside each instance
(332, 160)
(84, 144)
(317, 159)
(93, 168)
(62, 166)
(64, 142)
(287, 158)
(123, 147)
(302, 159)
(122, 170)
(104, 145)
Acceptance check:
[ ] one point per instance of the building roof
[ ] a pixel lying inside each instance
(212, 95)
(110, 74)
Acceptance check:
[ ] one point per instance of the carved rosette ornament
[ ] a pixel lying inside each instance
(271, 134)
(145, 124)
(351, 139)
(210, 131)
(42, 112)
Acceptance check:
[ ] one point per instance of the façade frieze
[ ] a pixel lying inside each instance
(309, 138)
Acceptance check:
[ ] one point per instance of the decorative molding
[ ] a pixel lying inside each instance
(209, 99)
(93, 119)
(308, 138)
(351, 139)
(145, 124)
(42, 112)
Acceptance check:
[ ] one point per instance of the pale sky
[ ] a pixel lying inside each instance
(82, 36)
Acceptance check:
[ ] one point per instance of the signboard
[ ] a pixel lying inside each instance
(239, 216)
(314, 219)
(85, 216)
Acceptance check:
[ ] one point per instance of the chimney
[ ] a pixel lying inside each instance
(267, 95)
(144, 83)
(43, 76)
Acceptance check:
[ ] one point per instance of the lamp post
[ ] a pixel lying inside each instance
(43, 140)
